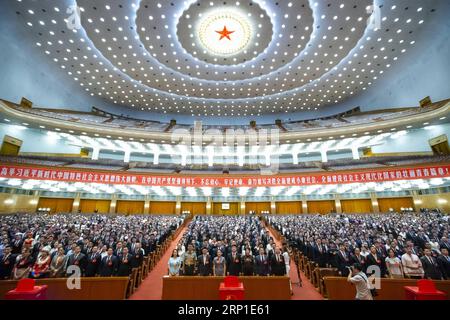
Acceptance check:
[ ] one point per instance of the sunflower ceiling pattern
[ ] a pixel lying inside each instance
(226, 58)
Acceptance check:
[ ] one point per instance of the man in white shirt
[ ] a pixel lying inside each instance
(412, 266)
(361, 282)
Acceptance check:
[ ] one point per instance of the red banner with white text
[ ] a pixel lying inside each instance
(336, 177)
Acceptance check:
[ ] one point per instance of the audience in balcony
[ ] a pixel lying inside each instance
(412, 245)
(41, 246)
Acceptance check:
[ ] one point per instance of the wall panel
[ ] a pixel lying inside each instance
(196, 208)
(56, 205)
(396, 203)
(322, 207)
(234, 208)
(356, 206)
(257, 206)
(90, 205)
(162, 207)
(291, 207)
(129, 207)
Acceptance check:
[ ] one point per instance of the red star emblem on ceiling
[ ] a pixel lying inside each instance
(225, 33)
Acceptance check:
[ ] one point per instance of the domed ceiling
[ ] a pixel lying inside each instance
(225, 58)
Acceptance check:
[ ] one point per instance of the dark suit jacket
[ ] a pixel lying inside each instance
(124, 268)
(137, 259)
(342, 262)
(109, 268)
(431, 269)
(6, 266)
(204, 269)
(379, 261)
(262, 265)
(234, 265)
(80, 261)
(361, 260)
(444, 266)
(278, 268)
(16, 246)
(93, 264)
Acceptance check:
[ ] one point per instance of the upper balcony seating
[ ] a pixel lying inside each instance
(149, 167)
(100, 118)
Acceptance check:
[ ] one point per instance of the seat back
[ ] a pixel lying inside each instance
(426, 285)
(25, 285)
(231, 281)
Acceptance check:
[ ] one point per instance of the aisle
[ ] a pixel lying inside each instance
(307, 291)
(151, 287)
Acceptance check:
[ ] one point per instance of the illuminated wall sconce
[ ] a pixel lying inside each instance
(34, 201)
(8, 201)
(442, 201)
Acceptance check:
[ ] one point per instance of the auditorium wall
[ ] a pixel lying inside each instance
(56, 205)
(288, 207)
(257, 207)
(356, 206)
(234, 208)
(91, 205)
(195, 208)
(162, 207)
(11, 203)
(431, 201)
(395, 203)
(129, 207)
(322, 206)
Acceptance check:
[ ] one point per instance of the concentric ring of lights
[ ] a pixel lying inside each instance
(137, 77)
(218, 44)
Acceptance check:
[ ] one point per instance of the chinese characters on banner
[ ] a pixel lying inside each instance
(65, 175)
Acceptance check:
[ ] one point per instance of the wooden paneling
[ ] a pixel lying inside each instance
(206, 288)
(111, 288)
(56, 205)
(322, 207)
(162, 207)
(395, 203)
(339, 288)
(196, 208)
(257, 206)
(356, 206)
(431, 201)
(129, 207)
(20, 203)
(235, 208)
(291, 207)
(90, 205)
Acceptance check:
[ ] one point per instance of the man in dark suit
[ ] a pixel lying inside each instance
(430, 266)
(234, 262)
(78, 259)
(262, 264)
(444, 243)
(108, 267)
(138, 256)
(93, 262)
(124, 268)
(204, 263)
(278, 266)
(342, 261)
(444, 263)
(6, 263)
(16, 244)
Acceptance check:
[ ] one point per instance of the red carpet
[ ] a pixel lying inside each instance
(307, 291)
(151, 287)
